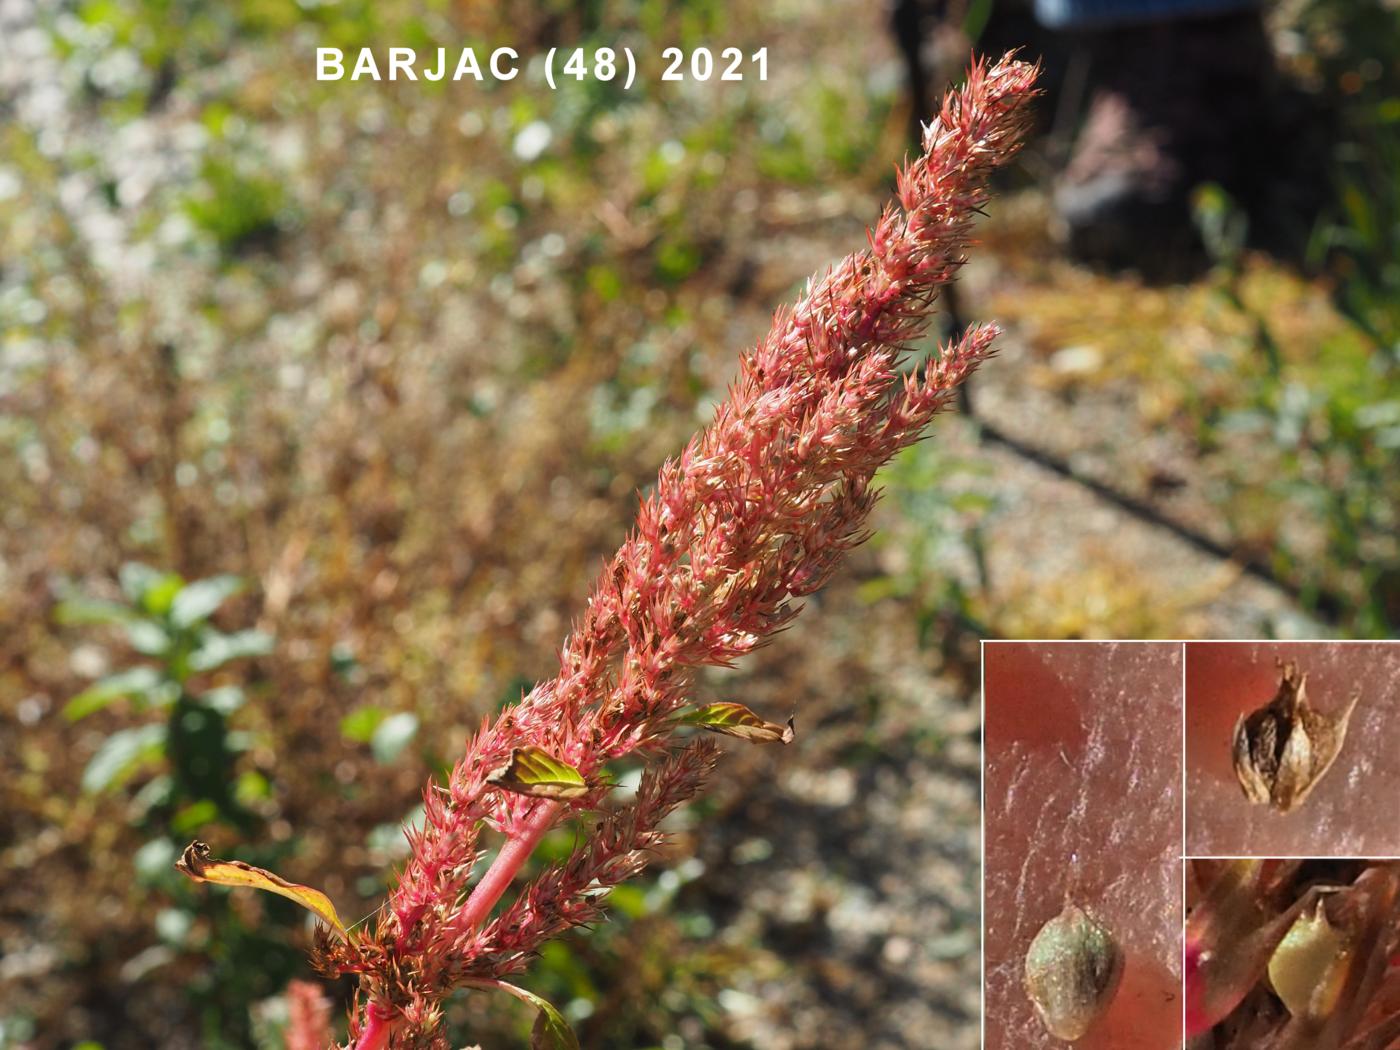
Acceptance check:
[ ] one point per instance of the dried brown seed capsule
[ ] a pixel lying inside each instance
(1283, 749)
(1073, 967)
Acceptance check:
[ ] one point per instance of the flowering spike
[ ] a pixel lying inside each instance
(755, 512)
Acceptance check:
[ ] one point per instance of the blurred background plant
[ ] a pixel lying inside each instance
(400, 355)
(167, 619)
(188, 762)
(1329, 407)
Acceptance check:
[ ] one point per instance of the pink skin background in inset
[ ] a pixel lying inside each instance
(1354, 810)
(1083, 803)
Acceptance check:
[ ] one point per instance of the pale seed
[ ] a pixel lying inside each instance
(1073, 968)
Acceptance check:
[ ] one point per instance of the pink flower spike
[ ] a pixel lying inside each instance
(755, 513)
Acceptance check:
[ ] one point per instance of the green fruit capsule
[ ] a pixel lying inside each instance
(1309, 966)
(1073, 967)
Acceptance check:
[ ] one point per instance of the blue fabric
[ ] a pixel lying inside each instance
(1074, 14)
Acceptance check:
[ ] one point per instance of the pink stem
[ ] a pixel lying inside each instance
(378, 1027)
(379, 1024)
(503, 869)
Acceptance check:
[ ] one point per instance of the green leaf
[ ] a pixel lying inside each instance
(551, 1031)
(147, 637)
(158, 791)
(173, 925)
(343, 660)
(535, 772)
(392, 736)
(121, 755)
(627, 900)
(194, 816)
(72, 612)
(197, 601)
(137, 578)
(225, 699)
(251, 787)
(218, 648)
(737, 720)
(135, 681)
(359, 725)
(878, 589)
(151, 589)
(152, 861)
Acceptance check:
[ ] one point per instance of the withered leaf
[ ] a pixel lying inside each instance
(733, 719)
(198, 865)
(1283, 749)
(535, 772)
(1073, 968)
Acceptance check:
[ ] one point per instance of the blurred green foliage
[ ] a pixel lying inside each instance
(1331, 411)
(195, 785)
(167, 619)
(1356, 50)
(1351, 48)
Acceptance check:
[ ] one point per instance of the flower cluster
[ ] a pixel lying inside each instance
(756, 512)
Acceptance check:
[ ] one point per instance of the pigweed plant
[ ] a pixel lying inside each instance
(755, 513)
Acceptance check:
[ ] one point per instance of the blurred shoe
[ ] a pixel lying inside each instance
(1175, 104)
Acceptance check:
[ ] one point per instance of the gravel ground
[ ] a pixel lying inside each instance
(862, 877)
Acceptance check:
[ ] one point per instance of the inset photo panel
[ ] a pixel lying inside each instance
(1292, 954)
(1291, 749)
(1083, 905)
